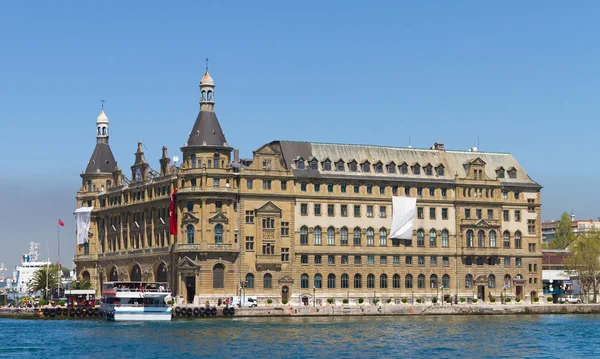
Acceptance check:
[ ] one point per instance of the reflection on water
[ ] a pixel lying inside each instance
(331, 337)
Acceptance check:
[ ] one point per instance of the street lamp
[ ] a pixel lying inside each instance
(314, 296)
(442, 295)
(505, 294)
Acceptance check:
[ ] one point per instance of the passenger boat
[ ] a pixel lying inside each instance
(135, 301)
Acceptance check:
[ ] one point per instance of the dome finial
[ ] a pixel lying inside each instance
(102, 102)
(206, 64)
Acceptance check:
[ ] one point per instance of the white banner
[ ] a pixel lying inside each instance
(82, 219)
(403, 209)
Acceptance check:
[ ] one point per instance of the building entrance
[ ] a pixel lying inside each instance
(190, 286)
(481, 292)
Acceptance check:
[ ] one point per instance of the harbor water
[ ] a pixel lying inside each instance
(503, 336)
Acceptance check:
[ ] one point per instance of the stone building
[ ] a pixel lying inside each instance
(302, 222)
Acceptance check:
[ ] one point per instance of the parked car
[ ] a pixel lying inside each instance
(248, 301)
(570, 299)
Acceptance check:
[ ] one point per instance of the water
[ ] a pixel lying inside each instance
(548, 336)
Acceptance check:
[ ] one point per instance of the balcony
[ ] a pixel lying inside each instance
(492, 251)
(268, 261)
(222, 189)
(205, 247)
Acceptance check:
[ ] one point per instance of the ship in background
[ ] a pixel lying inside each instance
(30, 263)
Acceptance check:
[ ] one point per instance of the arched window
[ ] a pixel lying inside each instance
(433, 281)
(357, 281)
(371, 281)
(507, 281)
(99, 130)
(344, 236)
(383, 281)
(210, 95)
(421, 281)
(318, 281)
(193, 160)
(469, 238)
(481, 238)
(303, 235)
(219, 276)
(493, 239)
(89, 185)
(383, 237)
(204, 95)
(370, 237)
(408, 281)
(518, 276)
(114, 275)
(420, 238)
(104, 131)
(433, 238)
(250, 281)
(85, 276)
(344, 283)
(219, 233)
(304, 281)
(190, 233)
(317, 236)
(330, 236)
(446, 281)
(492, 281)
(396, 281)
(506, 237)
(267, 281)
(331, 280)
(468, 281)
(518, 239)
(216, 160)
(445, 238)
(357, 236)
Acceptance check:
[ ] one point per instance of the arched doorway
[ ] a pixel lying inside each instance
(136, 274)
(161, 273)
(285, 294)
(85, 276)
(114, 275)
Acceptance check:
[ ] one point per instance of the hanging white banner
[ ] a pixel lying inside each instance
(403, 217)
(82, 219)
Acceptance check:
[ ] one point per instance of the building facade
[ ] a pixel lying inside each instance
(304, 222)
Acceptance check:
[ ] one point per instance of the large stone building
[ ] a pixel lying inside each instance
(303, 222)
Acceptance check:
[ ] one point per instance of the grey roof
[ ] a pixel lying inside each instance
(207, 131)
(454, 162)
(102, 160)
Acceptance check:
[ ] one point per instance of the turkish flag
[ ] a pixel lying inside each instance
(173, 213)
(61, 223)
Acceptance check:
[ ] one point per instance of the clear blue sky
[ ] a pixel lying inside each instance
(523, 76)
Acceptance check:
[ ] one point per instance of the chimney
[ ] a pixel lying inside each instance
(236, 155)
(438, 146)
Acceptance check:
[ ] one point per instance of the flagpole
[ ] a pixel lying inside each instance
(58, 261)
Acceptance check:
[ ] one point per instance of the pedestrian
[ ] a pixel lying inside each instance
(227, 303)
(219, 302)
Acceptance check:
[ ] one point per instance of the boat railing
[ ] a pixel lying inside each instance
(143, 290)
(140, 305)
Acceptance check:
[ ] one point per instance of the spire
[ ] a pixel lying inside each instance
(102, 160)
(102, 127)
(207, 92)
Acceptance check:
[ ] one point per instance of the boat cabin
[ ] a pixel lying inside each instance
(80, 298)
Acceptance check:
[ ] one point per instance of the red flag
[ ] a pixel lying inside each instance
(173, 213)
(61, 223)
(59, 265)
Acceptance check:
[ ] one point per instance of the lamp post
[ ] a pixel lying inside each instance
(505, 294)
(442, 295)
(412, 296)
(314, 296)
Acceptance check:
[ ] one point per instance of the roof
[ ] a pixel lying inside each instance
(207, 79)
(454, 162)
(207, 131)
(102, 160)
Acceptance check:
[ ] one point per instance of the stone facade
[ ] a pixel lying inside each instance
(303, 222)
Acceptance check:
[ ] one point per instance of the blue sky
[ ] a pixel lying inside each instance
(520, 75)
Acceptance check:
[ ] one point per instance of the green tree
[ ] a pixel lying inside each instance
(45, 277)
(84, 284)
(564, 233)
(584, 261)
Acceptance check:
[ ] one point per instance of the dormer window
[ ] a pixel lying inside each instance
(391, 167)
(327, 165)
(378, 167)
(500, 172)
(314, 165)
(300, 164)
(340, 166)
(352, 166)
(404, 169)
(429, 170)
(512, 173)
(366, 167)
(266, 164)
(440, 170)
(416, 169)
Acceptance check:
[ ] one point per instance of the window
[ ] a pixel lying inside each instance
(394, 190)
(370, 211)
(344, 210)
(490, 214)
(304, 281)
(344, 236)
(266, 164)
(416, 170)
(357, 259)
(284, 185)
(318, 259)
(344, 281)
(507, 261)
(190, 206)
(433, 238)
(432, 213)
(330, 236)
(268, 249)
(303, 186)
(504, 194)
(317, 209)
(370, 259)
(370, 237)
(421, 260)
(531, 226)
(517, 239)
(468, 281)
(344, 259)
(431, 191)
(391, 168)
(433, 260)
(396, 260)
(478, 213)
(317, 236)
(530, 205)
(215, 182)
(396, 281)
(507, 281)
(330, 187)
(285, 254)
(219, 276)
(445, 239)
(420, 238)
(383, 237)
(357, 236)
(445, 281)
(371, 281)
(366, 167)
(343, 188)
(304, 235)
(408, 281)
(492, 281)
(468, 261)
(356, 210)
(314, 165)
(420, 191)
(518, 261)
(190, 233)
(285, 229)
(479, 261)
(481, 238)
(421, 281)
(445, 261)
(249, 243)
(219, 234)
(506, 239)
(304, 259)
(469, 238)
(331, 280)
(382, 211)
(408, 260)
(493, 239)
(327, 166)
(383, 281)
(250, 281)
(330, 210)
(249, 217)
(467, 213)
(531, 247)
(268, 223)
(267, 281)
(444, 213)
(420, 214)
(352, 167)
(340, 166)
(304, 209)
(357, 281)
(382, 259)
(318, 281)
(300, 164)
(356, 188)
(381, 189)
(317, 187)
(369, 189)
(407, 191)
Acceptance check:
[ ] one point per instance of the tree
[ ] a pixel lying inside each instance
(564, 233)
(584, 260)
(46, 276)
(84, 284)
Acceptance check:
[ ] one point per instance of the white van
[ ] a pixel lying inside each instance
(249, 301)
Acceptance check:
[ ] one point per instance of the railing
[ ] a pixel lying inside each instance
(205, 247)
(205, 189)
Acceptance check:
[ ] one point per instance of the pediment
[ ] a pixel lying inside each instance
(218, 217)
(482, 223)
(187, 262)
(189, 217)
(266, 150)
(477, 162)
(481, 279)
(286, 279)
(268, 207)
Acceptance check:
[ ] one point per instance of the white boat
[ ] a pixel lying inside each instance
(30, 263)
(135, 301)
